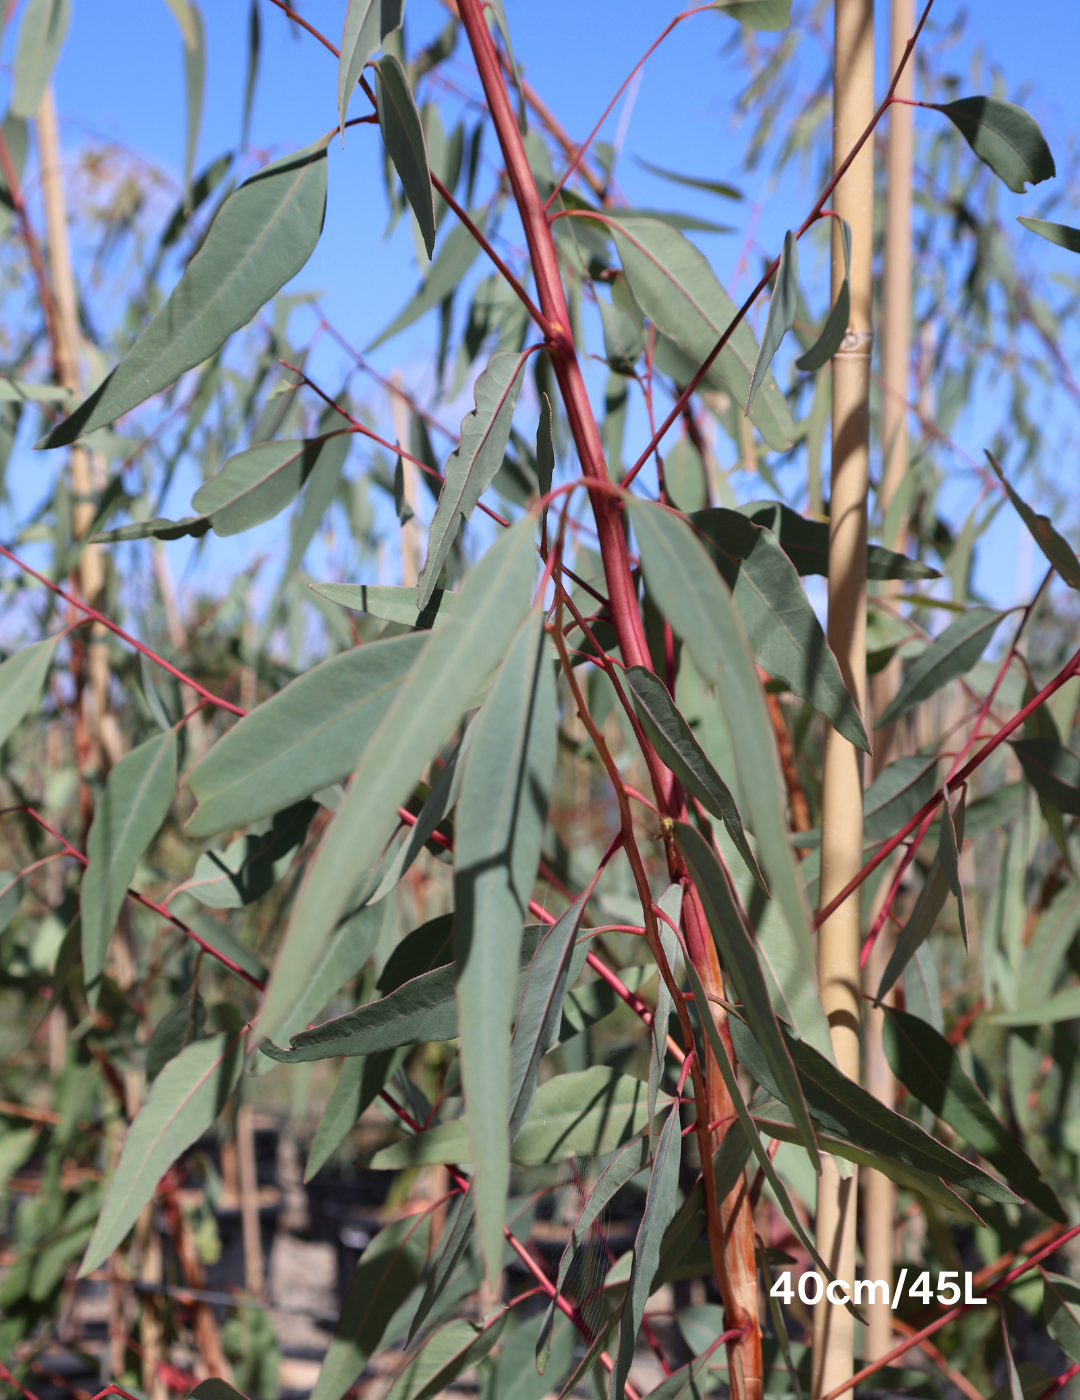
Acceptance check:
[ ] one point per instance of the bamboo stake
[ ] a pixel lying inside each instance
(411, 543)
(879, 1193)
(249, 1201)
(841, 845)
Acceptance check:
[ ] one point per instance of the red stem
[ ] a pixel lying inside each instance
(298, 19)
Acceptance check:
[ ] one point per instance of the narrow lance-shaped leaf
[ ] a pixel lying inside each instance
(661, 1201)
(388, 1271)
(443, 796)
(300, 740)
(41, 33)
(928, 906)
(929, 1067)
(183, 1102)
(393, 602)
(696, 602)
(836, 323)
(949, 849)
(457, 253)
(896, 794)
(251, 76)
(1004, 137)
(806, 544)
(262, 236)
(674, 741)
(471, 467)
(444, 1355)
(137, 797)
(453, 662)
(669, 903)
(403, 136)
(22, 677)
(453, 1248)
(1061, 234)
(740, 960)
(1052, 770)
(623, 1167)
(545, 447)
(949, 655)
(720, 1055)
(1061, 1308)
(1016, 1389)
(498, 831)
(769, 15)
(255, 485)
(679, 292)
(1056, 548)
(367, 23)
(783, 307)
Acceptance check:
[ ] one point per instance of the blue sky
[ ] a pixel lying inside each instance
(120, 79)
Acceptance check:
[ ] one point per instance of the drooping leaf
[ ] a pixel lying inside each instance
(498, 831)
(623, 336)
(949, 655)
(661, 1201)
(182, 1103)
(394, 603)
(1016, 1389)
(255, 485)
(1061, 1308)
(545, 447)
(22, 677)
(367, 23)
(1056, 548)
(1065, 1006)
(669, 903)
(783, 308)
(182, 1023)
(784, 632)
(806, 544)
(682, 579)
(843, 1107)
(749, 1127)
(190, 21)
(1004, 137)
(1061, 234)
(14, 131)
(358, 1085)
(676, 745)
(442, 797)
(251, 865)
(836, 323)
(586, 1113)
(262, 236)
(471, 467)
(928, 906)
(251, 76)
(444, 1355)
(515, 1376)
(949, 849)
(12, 889)
(896, 794)
(41, 33)
(769, 15)
(929, 1067)
(218, 937)
(453, 1248)
(156, 529)
(678, 291)
(717, 187)
(456, 255)
(302, 739)
(137, 797)
(740, 961)
(388, 1271)
(1052, 770)
(623, 1167)
(403, 136)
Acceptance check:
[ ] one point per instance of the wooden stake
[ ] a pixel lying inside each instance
(879, 1193)
(249, 1201)
(411, 543)
(841, 844)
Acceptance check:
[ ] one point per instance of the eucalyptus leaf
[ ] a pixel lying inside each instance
(403, 135)
(367, 23)
(783, 307)
(22, 678)
(1004, 137)
(1056, 548)
(255, 485)
(948, 656)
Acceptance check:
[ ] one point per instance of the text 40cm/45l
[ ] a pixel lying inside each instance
(812, 1288)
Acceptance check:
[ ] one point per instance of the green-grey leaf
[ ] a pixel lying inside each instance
(896, 794)
(1063, 1007)
(453, 1248)
(740, 961)
(1061, 1308)
(586, 1113)
(806, 544)
(457, 254)
(784, 632)
(783, 308)
(390, 601)
(1056, 548)
(769, 15)
(693, 597)
(950, 845)
(22, 678)
(367, 23)
(403, 136)
(846, 1109)
(545, 447)
(255, 485)
(388, 1271)
(12, 889)
(929, 1067)
(443, 795)
(262, 236)
(182, 1103)
(41, 34)
(949, 655)
(679, 292)
(137, 797)
(498, 830)
(623, 336)
(1052, 770)
(1061, 234)
(661, 1202)
(443, 1357)
(358, 1085)
(302, 739)
(717, 187)
(1004, 137)
(156, 529)
(251, 865)
(674, 741)
(181, 1024)
(836, 323)
(471, 467)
